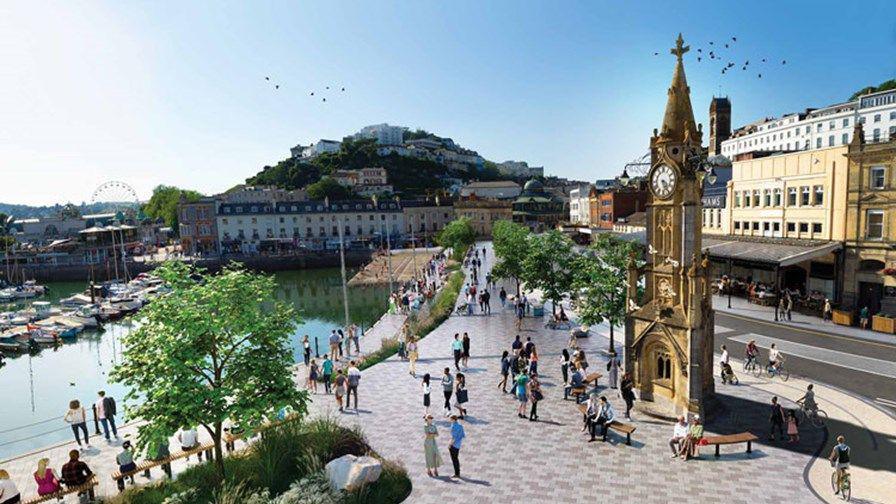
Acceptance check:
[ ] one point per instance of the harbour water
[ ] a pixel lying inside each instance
(35, 390)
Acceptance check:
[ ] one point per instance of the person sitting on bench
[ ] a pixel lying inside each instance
(75, 473)
(125, 460)
(605, 416)
(189, 440)
(576, 380)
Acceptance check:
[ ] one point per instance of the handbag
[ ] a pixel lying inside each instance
(462, 396)
(537, 395)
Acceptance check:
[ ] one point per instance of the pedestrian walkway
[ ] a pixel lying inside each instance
(550, 461)
(743, 308)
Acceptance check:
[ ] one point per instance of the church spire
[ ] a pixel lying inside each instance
(678, 122)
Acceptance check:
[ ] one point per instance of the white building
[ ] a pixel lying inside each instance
(384, 134)
(254, 194)
(499, 189)
(520, 169)
(315, 149)
(818, 128)
(579, 205)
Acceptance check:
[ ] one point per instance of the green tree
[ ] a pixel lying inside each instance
(215, 348)
(327, 187)
(600, 280)
(164, 201)
(549, 265)
(511, 243)
(457, 235)
(883, 86)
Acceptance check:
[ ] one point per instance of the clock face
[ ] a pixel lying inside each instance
(662, 181)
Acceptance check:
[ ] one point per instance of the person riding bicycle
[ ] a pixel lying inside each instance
(751, 353)
(775, 359)
(840, 460)
(808, 400)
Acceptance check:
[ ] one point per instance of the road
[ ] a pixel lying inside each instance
(864, 367)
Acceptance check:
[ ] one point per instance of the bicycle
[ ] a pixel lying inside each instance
(817, 417)
(772, 371)
(845, 486)
(750, 363)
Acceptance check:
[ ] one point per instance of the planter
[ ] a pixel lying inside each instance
(842, 317)
(883, 324)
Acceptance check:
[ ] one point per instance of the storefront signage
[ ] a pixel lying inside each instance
(714, 201)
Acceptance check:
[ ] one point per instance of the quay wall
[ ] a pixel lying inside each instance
(267, 263)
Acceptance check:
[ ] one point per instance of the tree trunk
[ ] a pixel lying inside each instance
(517, 289)
(219, 453)
(612, 342)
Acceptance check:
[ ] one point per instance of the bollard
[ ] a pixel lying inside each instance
(96, 421)
(316, 350)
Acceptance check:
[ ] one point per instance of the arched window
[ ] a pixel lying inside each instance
(663, 366)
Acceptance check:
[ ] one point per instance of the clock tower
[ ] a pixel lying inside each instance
(669, 331)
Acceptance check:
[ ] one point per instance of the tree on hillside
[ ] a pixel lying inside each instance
(883, 86)
(511, 243)
(327, 187)
(163, 203)
(457, 235)
(215, 349)
(288, 174)
(548, 265)
(600, 282)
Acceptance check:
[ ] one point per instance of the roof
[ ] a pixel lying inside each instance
(678, 121)
(306, 207)
(493, 183)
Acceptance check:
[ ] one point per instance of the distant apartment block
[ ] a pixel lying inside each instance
(520, 169)
(315, 149)
(384, 134)
(498, 189)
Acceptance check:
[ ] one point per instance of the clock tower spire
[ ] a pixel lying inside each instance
(669, 331)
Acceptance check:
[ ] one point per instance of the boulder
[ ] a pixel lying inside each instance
(349, 472)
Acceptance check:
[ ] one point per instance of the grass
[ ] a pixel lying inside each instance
(282, 455)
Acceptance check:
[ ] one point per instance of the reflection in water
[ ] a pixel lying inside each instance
(78, 370)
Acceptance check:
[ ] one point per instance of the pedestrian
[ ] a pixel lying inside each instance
(627, 389)
(793, 431)
(355, 334)
(503, 297)
(482, 302)
(76, 417)
(604, 417)
(457, 436)
(75, 473)
(522, 393)
(412, 357)
(613, 369)
(564, 365)
(776, 420)
(505, 370)
(326, 370)
(517, 344)
(789, 307)
(354, 378)
(306, 348)
(535, 396)
(188, 439)
(520, 313)
(427, 390)
(339, 388)
(9, 493)
(311, 383)
(471, 302)
(692, 441)
(465, 344)
(334, 345)
(447, 389)
(341, 342)
(533, 360)
(782, 308)
(724, 360)
(527, 349)
(46, 478)
(457, 348)
(106, 410)
(460, 395)
(864, 315)
(486, 299)
(125, 461)
(430, 448)
(828, 311)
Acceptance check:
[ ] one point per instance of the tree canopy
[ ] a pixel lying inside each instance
(458, 235)
(549, 264)
(215, 349)
(511, 243)
(600, 281)
(163, 203)
(327, 187)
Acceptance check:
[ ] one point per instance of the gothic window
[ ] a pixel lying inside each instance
(663, 366)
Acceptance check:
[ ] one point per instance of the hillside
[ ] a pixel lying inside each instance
(409, 176)
(31, 211)
(883, 86)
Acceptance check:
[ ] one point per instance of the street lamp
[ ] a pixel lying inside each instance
(624, 178)
(388, 244)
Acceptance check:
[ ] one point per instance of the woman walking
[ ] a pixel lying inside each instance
(626, 387)
(430, 448)
(460, 395)
(505, 370)
(427, 389)
(466, 348)
(306, 349)
(522, 393)
(339, 388)
(46, 478)
(412, 357)
(447, 389)
(535, 396)
(533, 361)
(564, 365)
(77, 418)
(312, 377)
(613, 369)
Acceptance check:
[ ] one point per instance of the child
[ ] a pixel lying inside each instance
(792, 427)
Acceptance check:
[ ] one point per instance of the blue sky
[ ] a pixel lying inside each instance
(174, 92)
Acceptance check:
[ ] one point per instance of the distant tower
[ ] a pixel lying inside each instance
(719, 124)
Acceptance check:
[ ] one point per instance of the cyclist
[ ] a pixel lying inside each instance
(840, 460)
(808, 401)
(775, 359)
(751, 353)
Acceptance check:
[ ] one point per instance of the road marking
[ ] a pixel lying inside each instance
(886, 402)
(854, 339)
(831, 357)
(722, 329)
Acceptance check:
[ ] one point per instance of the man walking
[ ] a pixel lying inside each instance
(776, 420)
(724, 360)
(327, 369)
(334, 345)
(106, 411)
(457, 436)
(354, 334)
(457, 347)
(354, 377)
(486, 300)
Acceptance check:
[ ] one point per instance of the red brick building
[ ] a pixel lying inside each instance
(618, 203)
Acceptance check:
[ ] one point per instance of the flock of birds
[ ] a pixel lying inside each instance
(715, 53)
(313, 93)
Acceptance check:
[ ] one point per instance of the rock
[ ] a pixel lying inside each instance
(348, 472)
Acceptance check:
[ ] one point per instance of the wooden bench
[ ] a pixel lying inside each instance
(743, 437)
(165, 463)
(578, 393)
(616, 425)
(86, 487)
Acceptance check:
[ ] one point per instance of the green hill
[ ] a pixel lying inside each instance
(883, 86)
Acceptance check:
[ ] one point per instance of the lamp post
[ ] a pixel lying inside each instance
(342, 266)
(388, 245)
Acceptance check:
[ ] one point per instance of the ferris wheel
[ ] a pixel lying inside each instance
(117, 194)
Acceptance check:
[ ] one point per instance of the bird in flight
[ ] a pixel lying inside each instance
(343, 89)
(734, 39)
(656, 54)
(267, 78)
(277, 86)
(726, 46)
(760, 76)
(783, 62)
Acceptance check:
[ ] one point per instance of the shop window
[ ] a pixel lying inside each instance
(804, 227)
